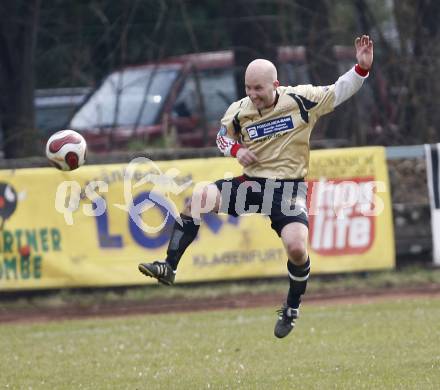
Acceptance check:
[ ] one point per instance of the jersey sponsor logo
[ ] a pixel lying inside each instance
(270, 127)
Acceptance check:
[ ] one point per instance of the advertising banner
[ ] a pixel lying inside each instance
(92, 226)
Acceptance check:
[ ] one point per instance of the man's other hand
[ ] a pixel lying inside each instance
(246, 157)
(364, 51)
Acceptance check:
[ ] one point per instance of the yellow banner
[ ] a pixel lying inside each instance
(92, 226)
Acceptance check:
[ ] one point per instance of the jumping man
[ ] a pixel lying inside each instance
(268, 132)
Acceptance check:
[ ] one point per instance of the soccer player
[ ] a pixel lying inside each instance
(268, 132)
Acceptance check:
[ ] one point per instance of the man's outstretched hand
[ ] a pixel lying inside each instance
(364, 51)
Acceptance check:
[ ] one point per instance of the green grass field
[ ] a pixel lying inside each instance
(386, 345)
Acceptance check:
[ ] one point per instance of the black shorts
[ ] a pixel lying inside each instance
(284, 201)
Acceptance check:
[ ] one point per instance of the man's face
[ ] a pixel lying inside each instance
(260, 90)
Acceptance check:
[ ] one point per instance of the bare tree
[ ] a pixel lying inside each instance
(18, 34)
(250, 33)
(404, 79)
(316, 33)
(421, 115)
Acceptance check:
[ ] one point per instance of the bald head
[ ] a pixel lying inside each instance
(262, 69)
(261, 83)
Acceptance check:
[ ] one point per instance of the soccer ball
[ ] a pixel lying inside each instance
(66, 150)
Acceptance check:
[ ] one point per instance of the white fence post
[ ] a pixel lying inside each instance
(432, 153)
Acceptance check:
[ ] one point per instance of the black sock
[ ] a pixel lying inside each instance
(181, 238)
(298, 276)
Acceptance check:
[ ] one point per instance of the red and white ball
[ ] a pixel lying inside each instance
(66, 150)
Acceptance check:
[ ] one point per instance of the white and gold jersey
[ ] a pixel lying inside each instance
(279, 136)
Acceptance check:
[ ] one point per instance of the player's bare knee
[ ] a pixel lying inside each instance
(204, 200)
(208, 199)
(297, 252)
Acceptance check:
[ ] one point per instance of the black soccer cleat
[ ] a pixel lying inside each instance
(286, 321)
(160, 270)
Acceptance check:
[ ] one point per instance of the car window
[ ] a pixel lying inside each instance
(50, 119)
(218, 90)
(55, 106)
(187, 103)
(127, 97)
